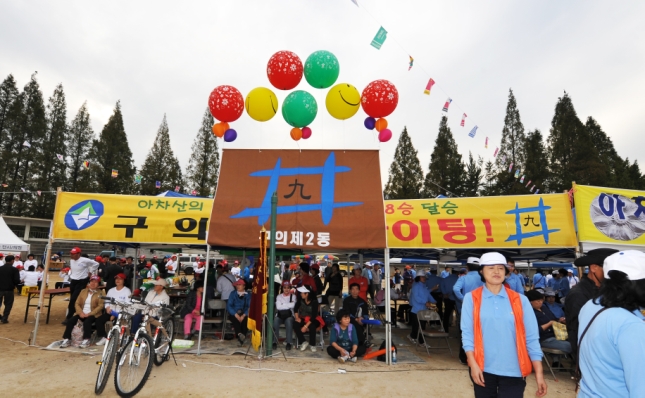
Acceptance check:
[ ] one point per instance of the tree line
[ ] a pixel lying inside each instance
(573, 151)
(41, 151)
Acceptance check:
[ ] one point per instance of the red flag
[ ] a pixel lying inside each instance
(428, 87)
(463, 120)
(259, 296)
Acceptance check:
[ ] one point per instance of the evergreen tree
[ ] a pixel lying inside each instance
(203, 168)
(51, 170)
(489, 186)
(112, 152)
(511, 150)
(573, 155)
(8, 94)
(406, 176)
(473, 176)
(28, 126)
(80, 137)
(536, 166)
(446, 171)
(160, 165)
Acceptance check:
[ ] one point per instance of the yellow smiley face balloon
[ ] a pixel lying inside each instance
(343, 101)
(261, 104)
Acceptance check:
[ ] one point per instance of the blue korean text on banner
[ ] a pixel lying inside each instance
(510, 167)
(517, 173)
(473, 132)
(447, 104)
(379, 39)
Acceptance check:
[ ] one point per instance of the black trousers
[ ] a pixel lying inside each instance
(87, 327)
(7, 296)
(447, 313)
(500, 386)
(415, 328)
(360, 331)
(334, 353)
(239, 327)
(439, 297)
(297, 327)
(75, 288)
(404, 312)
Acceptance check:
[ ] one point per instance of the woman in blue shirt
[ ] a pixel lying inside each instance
(492, 336)
(612, 350)
(420, 299)
(343, 340)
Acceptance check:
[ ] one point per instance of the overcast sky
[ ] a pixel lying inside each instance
(166, 57)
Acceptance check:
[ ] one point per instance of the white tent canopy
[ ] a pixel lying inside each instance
(9, 241)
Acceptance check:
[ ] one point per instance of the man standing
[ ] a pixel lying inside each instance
(539, 281)
(80, 269)
(9, 279)
(513, 280)
(367, 274)
(446, 272)
(449, 299)
(376, 278)
(112, 269)
(585, 290)
(433, 283)
(466, 284)
(573, 280)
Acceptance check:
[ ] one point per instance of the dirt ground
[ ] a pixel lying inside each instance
(34, 371)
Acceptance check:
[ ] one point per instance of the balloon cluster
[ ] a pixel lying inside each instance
(285, 71)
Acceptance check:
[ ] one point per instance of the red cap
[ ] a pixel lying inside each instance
(154, 256)
(98, 259)
(122, 260)
(19, 267)
(148, 265)
(142, 256)
(239, 282)
(75, 250)
(173, 256)
(315, 266)
(1, 255)
(237, 262)
(95, 278)
(120, 276)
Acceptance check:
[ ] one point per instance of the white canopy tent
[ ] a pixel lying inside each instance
(9, 241)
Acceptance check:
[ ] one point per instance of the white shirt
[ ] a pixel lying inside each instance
(152, 271)
(170, 263)
(31, 278)
(154, 297)
(122, 295)
(225, 285)
(65, 276)
(17, 263)
(573, 280)
(81, 268)
(87, 307)
(287, 302)
(22, 275)
(236, 272)
(30, 262)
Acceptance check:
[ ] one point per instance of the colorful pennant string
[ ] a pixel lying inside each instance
(447, 104)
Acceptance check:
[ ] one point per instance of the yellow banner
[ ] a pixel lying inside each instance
(610, 215)
(525, 221)
(127, 218)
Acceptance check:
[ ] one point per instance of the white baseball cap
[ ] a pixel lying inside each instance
(631, 262)
(472, 260)
(421, 273)
(492, 258)
(303, 289)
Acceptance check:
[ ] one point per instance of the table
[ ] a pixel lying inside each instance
(175, 298)
(51, 293)
(396, 303)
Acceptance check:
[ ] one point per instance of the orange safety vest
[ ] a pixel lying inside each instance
(526, 367)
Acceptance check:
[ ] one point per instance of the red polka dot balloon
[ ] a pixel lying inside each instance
(226, 103)
(284, 70)
(379, 98)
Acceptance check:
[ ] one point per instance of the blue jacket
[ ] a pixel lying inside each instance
(515, 283)
(432, 281)
(419, 296)
(447, 284)
(444, 274)
(466, 284)
(539, 280)
(246, 274)
(563, 286)
(236, 303)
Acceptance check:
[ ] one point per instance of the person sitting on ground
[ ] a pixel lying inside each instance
(89, 307)
(305, 313)
(192, 310)
(343, 340)
(237, 306)
(356, 307)
(120, 293)
(545, 320)
(64, 274)
(361, 281)
(31, 277)
(284, 305)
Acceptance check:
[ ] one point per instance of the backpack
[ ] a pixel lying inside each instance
(382, 347)
(350, 327)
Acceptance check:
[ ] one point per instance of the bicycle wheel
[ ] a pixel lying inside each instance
(134, 366)
(107, 361)
(162, 343)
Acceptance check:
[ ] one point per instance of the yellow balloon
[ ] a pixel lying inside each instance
(261, 104)
(343, 101)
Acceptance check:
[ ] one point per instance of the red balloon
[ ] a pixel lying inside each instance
(226, 103)
(284, 70)
(379, 99)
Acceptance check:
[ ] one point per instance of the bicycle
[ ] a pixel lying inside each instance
(163, 341)
(115, 344)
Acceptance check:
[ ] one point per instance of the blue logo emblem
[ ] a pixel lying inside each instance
(83, 215)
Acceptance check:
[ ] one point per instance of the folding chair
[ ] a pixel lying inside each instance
(218, 305)
(319, 329)
(427, 316)
(548, 359)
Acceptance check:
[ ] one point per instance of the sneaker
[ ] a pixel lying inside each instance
(5, 320)
(65, 343)
(312, 348)
(341, 359)
(304, 346)
(288, 348)
(85, 343)
(187, 337)
(353, 359)
(285, 343)
(241, 337)
(102, 341)
(64, 322)
(240, 342)
(66, 299)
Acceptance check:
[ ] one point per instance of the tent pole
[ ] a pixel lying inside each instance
(388, 311)
(271, 265)
(202, 312)
(43, 285)
(134, 269)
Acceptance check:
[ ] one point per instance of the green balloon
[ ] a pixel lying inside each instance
(299, 109)
(322, 69)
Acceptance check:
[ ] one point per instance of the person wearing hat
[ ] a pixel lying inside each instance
(9, 279)
(64, 275)
(284, 305)
(80, 269)
(545, 319)
(17, 262)
(150, 271)
(305, 313)
(584, 291)
(237, 306)
(111, 270)
(420, 299)
(612, 326)
(192, 310)
(236, 271)
(408, 279)
(171, 268)
(157, 295)
(500, 335)
(552, 279)
(120, 293)
(573, 280)
(1, 259)
(225, 282)
(556, 308)
(465, 284)
(88, 306)
(368, 274)
(360, 280)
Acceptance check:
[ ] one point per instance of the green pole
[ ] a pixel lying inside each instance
(271, 266)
